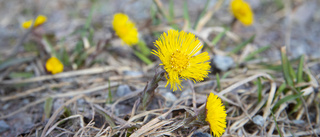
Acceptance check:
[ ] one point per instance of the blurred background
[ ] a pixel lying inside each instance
(276, 22)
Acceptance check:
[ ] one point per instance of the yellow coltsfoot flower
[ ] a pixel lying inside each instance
(176, 51)
(216, 115)
(125, 29)
(54, 66)
(39, 21)
(27, 24)
(242, 11)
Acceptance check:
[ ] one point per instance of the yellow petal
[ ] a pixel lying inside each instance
(54, 66)
(27, 24)
(242, 11)
(216, 115)
(40, 20)
(125, 29)
(176, 50)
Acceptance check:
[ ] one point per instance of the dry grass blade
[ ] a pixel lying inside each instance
(89, 90)
(152, 129)
(302, 133)
(208, 15)
(154, 121)
(267, 109)
(225, 99)
(239, 123)
(68, 94)
(152, 125)
(70, 117)
(121, 121)
(65, 75)
(143, 114)
(56, 113)
(131, 95)
(24, 108)
(35, 90)
(232, 87)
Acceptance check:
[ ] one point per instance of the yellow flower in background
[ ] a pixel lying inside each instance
(125, 29)
(39, 21)
(27, 24)
(54, 66)
(242, 11)
(176, 51)
(216, 115)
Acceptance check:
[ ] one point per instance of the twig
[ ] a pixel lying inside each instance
(148, 91)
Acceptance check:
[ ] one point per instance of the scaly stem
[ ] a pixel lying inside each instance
(148, 92)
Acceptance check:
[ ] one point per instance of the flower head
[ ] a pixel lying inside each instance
(242, 11)
(54, 66)
(125, 29)
(176, 51)
(216, 115)
(39, 21)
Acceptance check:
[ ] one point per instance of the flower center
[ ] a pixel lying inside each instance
(179, 61)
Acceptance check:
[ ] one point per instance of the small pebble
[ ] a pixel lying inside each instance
(258, 120)
(186, 93)
(123, 90)
(132, 73)
(3, 126)
(6, 106)
(298, 122)
(223, 63)
(200, 134)
(170, 98)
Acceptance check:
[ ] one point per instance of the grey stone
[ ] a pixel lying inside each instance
(3, 126)
(6, 106)
(258, 120)
(123, 90)
(200, 134)
(223, 63)
(122, 110)
(298, 122)
(186, 93)
(170, 98)
(132, 73)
